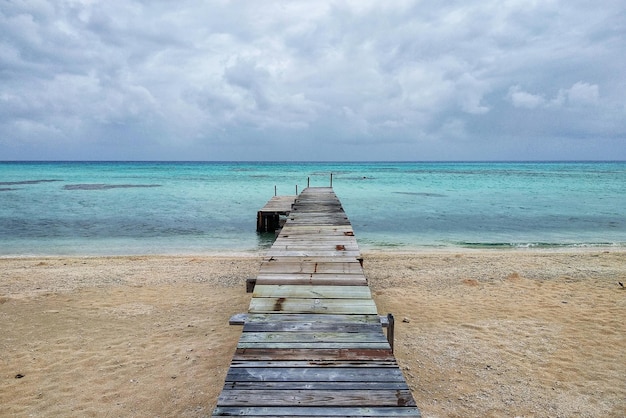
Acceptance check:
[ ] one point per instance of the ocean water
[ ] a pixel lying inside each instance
(110, 208)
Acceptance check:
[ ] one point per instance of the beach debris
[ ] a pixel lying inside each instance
(19, 376)
(621, 284)
(406, 320)
(471, 282)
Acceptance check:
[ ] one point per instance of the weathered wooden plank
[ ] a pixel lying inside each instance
(293, 326)
(309, 322)
(317, 346)
(318, 218)
(318, 385)
(308, 291)
(321, 212)
(311, 279)
(329, 411)
(313, 337)
(279, 204)
(319, 222)
(319, 260)
(313, 253)
(287, 275)
(330, 306)
(317, 244)
(314, 354)
(294, 236)
(303, 232)
(311, 317)
(326, 267)
(316, 222)
(309, 363)
(317, 208)
(238, 319)
(354, 397)
(316, 259)
(316, 240)
(315, 374)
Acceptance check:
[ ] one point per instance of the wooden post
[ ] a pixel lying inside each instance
(259, 221)
(296, 190)
(250, 283)
(275, 222)
(390, 330)
(331, 179)
(308, 182)
(274, 190)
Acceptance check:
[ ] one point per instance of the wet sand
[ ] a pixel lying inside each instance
(478, 333)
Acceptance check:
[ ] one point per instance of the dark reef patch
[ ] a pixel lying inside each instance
(97, 186)
(24, 182)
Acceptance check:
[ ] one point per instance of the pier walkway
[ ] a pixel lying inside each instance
(312, 341)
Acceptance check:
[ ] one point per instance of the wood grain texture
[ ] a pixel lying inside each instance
(311, 291)
(307, 411)
(301, 305)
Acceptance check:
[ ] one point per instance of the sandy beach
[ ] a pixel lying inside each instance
(478, 333)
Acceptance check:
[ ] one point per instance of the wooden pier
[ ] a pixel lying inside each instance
(312, 341)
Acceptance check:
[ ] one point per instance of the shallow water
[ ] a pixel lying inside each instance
(78, 208)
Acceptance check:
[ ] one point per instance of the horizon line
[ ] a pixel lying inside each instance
(313, 161)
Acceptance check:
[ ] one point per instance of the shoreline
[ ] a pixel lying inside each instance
(489, 332)
(404, 250)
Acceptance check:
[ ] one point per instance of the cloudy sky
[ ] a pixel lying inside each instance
(312, 80)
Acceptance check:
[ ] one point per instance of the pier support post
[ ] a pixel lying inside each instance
(390, 330)
(259, 221)
(250, 283)
(267, 222)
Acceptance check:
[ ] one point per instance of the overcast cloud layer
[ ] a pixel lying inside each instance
(312, 80)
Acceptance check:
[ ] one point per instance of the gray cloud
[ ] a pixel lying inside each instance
(312, 80)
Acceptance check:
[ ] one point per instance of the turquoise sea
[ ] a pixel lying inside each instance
(111, 208)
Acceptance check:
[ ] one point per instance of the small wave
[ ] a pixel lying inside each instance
(106, 186)
(390, 244)
(425, 194)
(479, 245)
(358, 178)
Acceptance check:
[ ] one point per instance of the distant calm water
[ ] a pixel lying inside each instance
(83, 208)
